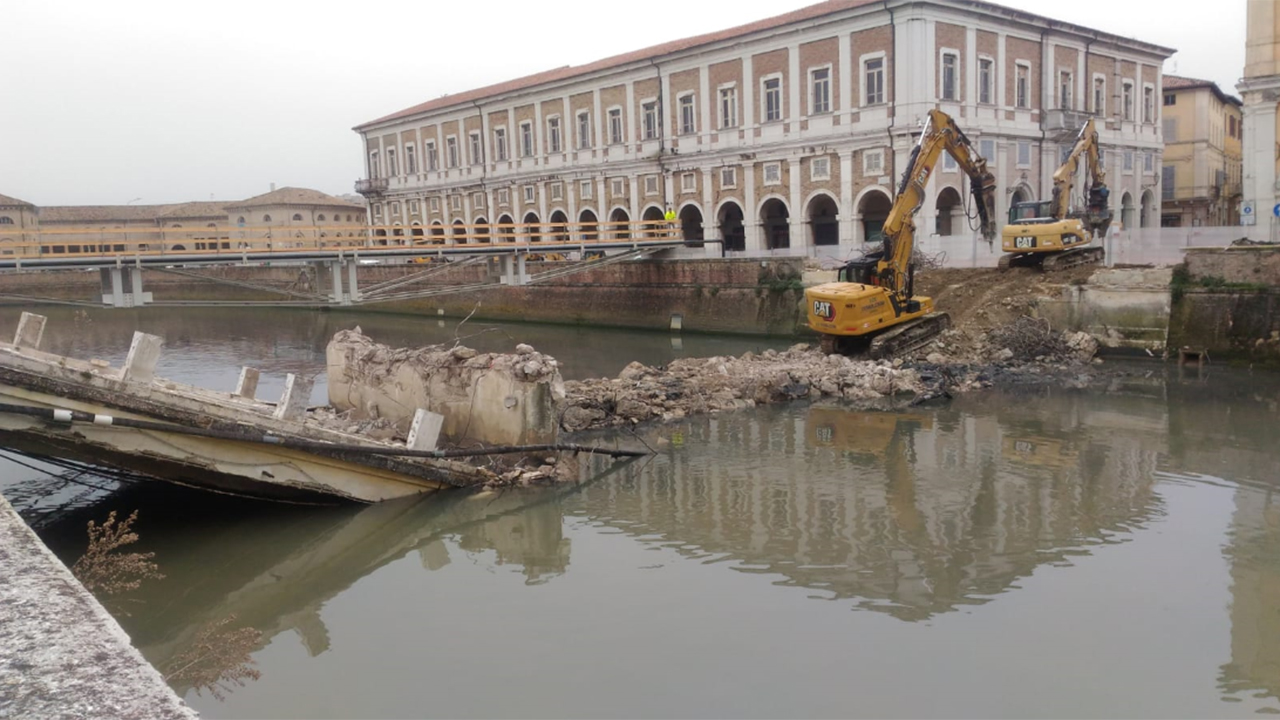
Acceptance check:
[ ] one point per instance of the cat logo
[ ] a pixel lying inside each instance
(824, 310)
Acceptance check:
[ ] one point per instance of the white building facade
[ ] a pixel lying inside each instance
(785, 136)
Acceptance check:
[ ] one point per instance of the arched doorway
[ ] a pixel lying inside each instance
(874, 208)
(691, 225)
(824, 220)
(459, 233)
(437, 233)
(653, 214)
(775, 219)
(559, 226)
(589, 224)
(417, 234)
(949, 207)
(732, 231)
(1148, 209)
(1127, 211)
(620, 224)
(532, 227)
(506, 230)
(482, 230)
(380, 237)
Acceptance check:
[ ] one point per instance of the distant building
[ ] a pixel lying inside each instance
(783, 135)
(202, 225)
(1203, 169)
(1260, 89)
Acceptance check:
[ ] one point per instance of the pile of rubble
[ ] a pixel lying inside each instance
(1022, 341)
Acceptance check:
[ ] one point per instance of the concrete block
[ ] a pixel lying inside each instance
(30, 331)
(247, 386)
(144, 353)
(424, 433)
(293, 403)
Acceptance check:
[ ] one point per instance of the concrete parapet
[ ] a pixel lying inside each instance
(61, 654)
(488, 398)
(1246, 264)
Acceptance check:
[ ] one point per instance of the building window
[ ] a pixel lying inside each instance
(435, 204)
(1127, 101)
(477, 201)
(530, 194)
(411, 159)
(455, 202)
(1024, 154)
(949, 163)
(649, 111)
(950, 75)
(433, 158)
(820, 98)
(504, 196)
(500, 144)
(556, 190)
(873, 162)
(451, 151)
(477, 149)
(651, 185)
(618, 187)
(6, 220)
(1099, 96)
(1231, 125)
(1128, 161)
(1149, 162)
(615, 126)
(1170, 130)
(585, 190)
(391, 163)
(1170, 99)
(728, 178)
(987, 148)
(688, 115)
(1168, 181)
(873, 70)
(820, 169)
(375, 169)
(526, 140)
(986, 80)
(584, 130)
(297, 217)
(773, 173)
(771, 99)
(728, 107)
(688, 182)
(1022, 86)
(1065, 86)
(1148, 104)
(553, 134)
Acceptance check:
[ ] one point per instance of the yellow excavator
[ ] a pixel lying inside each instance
(1049, 234)
(871, 307)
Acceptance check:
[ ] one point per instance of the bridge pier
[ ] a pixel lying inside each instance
(351, 293)
(116, 279)
(514, 271)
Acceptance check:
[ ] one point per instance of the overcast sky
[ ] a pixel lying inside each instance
(111, 101)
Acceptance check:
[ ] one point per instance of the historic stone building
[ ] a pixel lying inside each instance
(1260, 90)
(1203, 127)
(785, 134)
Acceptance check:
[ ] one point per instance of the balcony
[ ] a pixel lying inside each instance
(1063, 124)
(373, 187)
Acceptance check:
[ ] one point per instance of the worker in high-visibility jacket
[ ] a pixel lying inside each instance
(670, 217)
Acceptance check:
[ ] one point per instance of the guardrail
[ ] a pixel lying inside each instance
(85, 242)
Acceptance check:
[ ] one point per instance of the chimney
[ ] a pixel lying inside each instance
(273, 187)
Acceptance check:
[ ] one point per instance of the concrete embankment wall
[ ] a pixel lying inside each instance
(1124, 310)
(751, 296)
(61, 654)
(1227, 301)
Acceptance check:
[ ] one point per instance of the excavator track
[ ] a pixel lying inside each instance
(909, 336)
(1073, 258)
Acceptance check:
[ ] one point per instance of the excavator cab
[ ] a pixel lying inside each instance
(1031, 212)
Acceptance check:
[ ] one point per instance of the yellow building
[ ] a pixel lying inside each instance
(1203, 127)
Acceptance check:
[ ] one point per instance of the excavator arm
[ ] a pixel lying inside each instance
(1086, 147)
(940, 134)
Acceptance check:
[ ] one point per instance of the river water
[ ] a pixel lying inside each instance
(1029, 552)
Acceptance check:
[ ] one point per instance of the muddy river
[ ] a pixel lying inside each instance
(1027, 552)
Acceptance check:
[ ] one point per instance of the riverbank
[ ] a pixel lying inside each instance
(62, 655)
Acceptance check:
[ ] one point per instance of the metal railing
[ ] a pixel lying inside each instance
(372, 186)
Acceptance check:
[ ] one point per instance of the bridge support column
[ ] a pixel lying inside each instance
(514, 271)
(350, 294)
(115, 280)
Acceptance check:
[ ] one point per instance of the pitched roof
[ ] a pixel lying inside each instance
(1178, 82)
(203, 209)
(294, 196)
(829, 7)
(99, 213)
(570, 71)
(6, 201)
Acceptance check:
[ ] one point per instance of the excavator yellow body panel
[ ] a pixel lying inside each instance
(856, 310)
(1051, 236)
